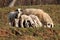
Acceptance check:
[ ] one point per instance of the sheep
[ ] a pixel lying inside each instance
(13, 15)
(36, 20)
(26, 19)
(43, 16)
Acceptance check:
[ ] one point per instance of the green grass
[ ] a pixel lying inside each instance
(32, 33)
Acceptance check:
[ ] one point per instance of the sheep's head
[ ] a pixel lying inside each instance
(50, 25)
(19, 12)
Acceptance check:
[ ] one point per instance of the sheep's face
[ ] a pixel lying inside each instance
(19, 12)
(29, 24)
(50, 25)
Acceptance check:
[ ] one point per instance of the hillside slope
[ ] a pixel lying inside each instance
(7, 32)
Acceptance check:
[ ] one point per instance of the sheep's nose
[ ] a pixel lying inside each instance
(51, 26)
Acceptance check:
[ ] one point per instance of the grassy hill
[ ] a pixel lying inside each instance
(12, 33)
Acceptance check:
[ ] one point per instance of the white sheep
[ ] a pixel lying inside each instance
(43, 16)
(26, 19)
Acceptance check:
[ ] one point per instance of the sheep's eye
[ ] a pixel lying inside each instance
(48, 24)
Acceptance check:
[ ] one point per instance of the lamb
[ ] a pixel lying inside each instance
(26, 19)
(12, 16)
(43, 16)
(30, 21)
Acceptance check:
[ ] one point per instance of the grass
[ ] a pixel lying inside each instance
(31, 33)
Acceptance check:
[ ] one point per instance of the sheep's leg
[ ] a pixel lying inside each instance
(35, 23)
(10, 23)
(39, 23)
(22, 23)
(27, 24)
(32, 23)
(16, 22)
